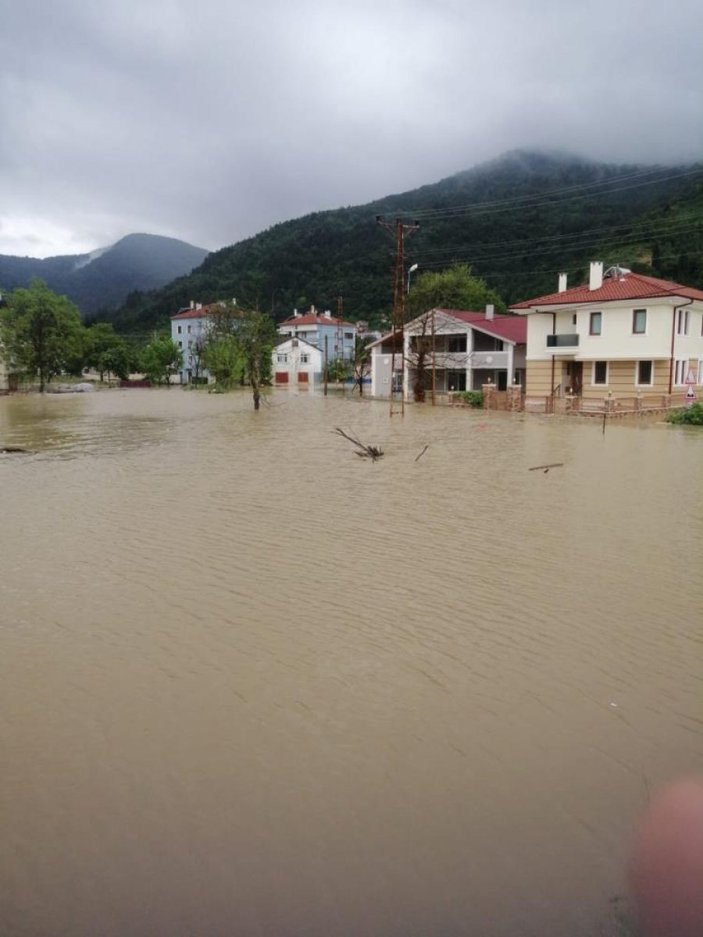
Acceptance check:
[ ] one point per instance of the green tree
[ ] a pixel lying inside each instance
(256, 336)
(106, 351)
(455, 288)
(161, 359)
(221, 354)
(41, 332)
(361, 362)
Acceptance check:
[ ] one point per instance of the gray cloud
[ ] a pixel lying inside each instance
(210, 121)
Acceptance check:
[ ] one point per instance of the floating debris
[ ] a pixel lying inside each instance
(546, 468)
(364, 452)
(418, 457)
(13, 449)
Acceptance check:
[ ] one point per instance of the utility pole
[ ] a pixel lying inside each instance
(400, 229)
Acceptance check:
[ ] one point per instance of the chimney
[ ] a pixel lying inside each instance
(490, 310)
(328, 313)
(596, 279)
(192, 304)
(562, 282)
(296, 314)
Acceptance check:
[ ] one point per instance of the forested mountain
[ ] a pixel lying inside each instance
(517, 221)
(105, 278)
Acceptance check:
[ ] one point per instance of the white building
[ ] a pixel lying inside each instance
(188, 330)
(334, 337)
(448, 350)
(622, 334)
(295, 362)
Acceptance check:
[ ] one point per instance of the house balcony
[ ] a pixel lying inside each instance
(490, 359)
(562, 344)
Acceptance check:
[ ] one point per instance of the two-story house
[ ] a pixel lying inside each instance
(622, 333)
(334, 337)
(448, 350)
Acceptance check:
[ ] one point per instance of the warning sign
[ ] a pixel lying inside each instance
(691, 376)
(690, 395)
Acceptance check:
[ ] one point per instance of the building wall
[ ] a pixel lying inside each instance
(191, 330)
(617, 341)
(538, 379)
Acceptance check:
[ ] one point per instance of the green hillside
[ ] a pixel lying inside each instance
(517, 221)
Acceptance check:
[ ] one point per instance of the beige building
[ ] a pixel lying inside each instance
(622, 334)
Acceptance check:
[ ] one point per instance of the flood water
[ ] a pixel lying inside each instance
(253, 685)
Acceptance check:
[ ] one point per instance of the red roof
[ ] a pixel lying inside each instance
(200, 313)
(627, 286)
(511, 328)
(311, 318)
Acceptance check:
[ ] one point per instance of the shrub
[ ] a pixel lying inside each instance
(693, 416)
(474, 398)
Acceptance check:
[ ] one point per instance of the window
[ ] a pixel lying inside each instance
(680, 371)
(573, 319)
(180, 329)
(282, 359)
(600, 372)
(180, 344)
(304, 359)
(595, 323)
(639, 321)
(682, 322)
(349, 335)
(645, 372)
(456, 380)
(188, 330)
(700, 371)
(456, 343)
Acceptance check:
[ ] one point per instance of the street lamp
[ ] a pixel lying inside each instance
(411, 270)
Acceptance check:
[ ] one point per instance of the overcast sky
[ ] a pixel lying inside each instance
(211, 120)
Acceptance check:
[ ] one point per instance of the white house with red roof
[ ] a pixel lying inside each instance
(449, 350)
(622, 334)
(188, 330)
(334, 337)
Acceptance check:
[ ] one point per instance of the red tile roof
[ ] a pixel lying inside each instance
(627, 286)
(201, 313)
(511, 328)
(311, 318)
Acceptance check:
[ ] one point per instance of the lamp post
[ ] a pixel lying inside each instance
(411, 270)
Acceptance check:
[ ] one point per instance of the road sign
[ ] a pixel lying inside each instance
(691, 377)
(690, 396)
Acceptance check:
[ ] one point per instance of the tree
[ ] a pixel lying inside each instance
(256, 336)
(221, 354)
(161, 359)
(106, 351)
(41, 332)
(361, 361)
(455, 288)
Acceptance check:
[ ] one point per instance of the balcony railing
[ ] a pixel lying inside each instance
(562, 341)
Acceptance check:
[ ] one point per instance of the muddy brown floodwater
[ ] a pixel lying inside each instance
(253, 685)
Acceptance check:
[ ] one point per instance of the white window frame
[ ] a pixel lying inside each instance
(594, 383)
(305, 358)
(682, 322)
(650, 383)
(634, 314)
(700, 371)
(597, 334)
(680, 372)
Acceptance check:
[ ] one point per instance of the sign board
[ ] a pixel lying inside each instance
(691, 376)
(690, 396)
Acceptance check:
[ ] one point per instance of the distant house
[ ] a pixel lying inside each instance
(334, 337)
(295, 361)
(621, 334)
(189, 330)
(455, 349)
